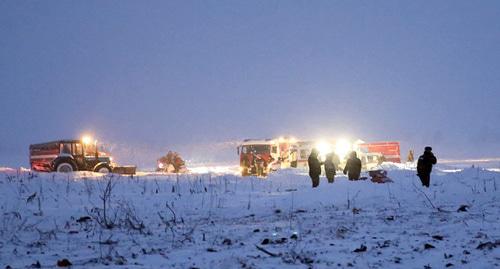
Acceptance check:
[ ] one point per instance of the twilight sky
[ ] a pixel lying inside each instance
(187, 74)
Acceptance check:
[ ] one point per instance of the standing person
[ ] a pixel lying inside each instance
(314, 167)
(424, 166)
(330, 168)
(410, 158)
(353, 167)
(293, 158)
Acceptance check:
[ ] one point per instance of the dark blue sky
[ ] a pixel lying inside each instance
(166, 74)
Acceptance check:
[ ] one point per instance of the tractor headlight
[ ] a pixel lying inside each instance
(86, 139)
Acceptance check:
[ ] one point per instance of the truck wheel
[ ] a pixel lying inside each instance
(103, 168)
(65, 167)
(244, 172)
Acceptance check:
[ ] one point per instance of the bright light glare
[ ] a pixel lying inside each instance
(216, 169)
(86, 139)
(323, 148)
(342, 148)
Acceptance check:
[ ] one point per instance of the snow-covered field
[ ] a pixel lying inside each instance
(224, 221)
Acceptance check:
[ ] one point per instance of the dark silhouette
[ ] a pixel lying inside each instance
(314, 167)
(424, 166)
(353, 167)
(330, 167)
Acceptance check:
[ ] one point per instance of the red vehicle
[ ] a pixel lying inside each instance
(256, 156)
(390, 150)
(287, 156)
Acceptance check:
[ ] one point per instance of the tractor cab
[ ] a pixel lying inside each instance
(74, 155)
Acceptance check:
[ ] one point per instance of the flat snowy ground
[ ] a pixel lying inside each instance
(225, 221)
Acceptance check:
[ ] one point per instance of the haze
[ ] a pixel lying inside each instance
(154, 75)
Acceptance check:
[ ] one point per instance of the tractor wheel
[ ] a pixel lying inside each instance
(103, 168)
(65, 167)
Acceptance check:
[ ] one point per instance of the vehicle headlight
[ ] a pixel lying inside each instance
(161, 165)
(342, 148)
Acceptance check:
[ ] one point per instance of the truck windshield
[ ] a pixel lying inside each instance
(90, 150)
(259, 149)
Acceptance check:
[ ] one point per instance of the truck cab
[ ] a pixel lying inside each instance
(257, 156)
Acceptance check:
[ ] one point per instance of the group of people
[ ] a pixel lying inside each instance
(353, 166)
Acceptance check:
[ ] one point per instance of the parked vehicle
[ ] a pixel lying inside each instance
(390, 150)
(302, 151)
(73, 155)
(257, 156)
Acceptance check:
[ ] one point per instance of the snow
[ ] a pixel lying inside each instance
(220, 220)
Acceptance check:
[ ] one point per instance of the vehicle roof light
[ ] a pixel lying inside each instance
(86, 139)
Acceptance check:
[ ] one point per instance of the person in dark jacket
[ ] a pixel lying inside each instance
(353, 167)
(314, 167)
(424, 166)
(330, 168)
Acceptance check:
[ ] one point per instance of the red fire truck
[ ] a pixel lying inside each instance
(389, 149)
(257, 156)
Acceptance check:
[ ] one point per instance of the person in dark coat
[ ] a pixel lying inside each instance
(424, 166)
(314, 167)
(353, 167)
(330, 168)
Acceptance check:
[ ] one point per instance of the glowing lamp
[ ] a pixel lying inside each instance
(323, 148)
(86, 139)
(342, 148)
